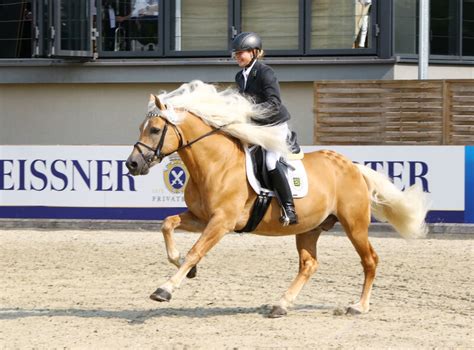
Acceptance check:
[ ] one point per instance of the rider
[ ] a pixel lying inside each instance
(259, 82)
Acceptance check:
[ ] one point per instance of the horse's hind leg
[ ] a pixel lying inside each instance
(358, 234)
(306, 245)
(187, 221)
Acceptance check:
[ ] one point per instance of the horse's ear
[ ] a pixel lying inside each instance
(154, 99)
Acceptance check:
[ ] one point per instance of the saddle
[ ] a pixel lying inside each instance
(257, 176)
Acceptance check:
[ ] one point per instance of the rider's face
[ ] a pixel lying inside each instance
(243, 58)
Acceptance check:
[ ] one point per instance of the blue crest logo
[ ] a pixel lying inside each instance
(176, 176)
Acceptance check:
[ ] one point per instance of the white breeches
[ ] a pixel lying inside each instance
(273, 156)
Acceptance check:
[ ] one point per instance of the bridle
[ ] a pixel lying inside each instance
(157, 152)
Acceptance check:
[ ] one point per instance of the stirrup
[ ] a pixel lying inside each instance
(285, 219)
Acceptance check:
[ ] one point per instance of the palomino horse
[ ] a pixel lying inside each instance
(207, 128)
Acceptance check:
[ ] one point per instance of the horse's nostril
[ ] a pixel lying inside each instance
(132, 165)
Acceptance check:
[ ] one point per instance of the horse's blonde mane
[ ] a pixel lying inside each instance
(224, 108)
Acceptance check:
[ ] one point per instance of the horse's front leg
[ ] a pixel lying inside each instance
(217, 227)
(186, 221)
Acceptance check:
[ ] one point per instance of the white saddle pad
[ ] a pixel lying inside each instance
(297, 178)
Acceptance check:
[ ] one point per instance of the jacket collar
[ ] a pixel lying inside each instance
(247, 70)
(252, 74)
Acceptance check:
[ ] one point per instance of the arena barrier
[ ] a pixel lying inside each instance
(92, 182)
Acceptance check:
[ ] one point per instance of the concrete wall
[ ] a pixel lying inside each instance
(75, 114)
(109, 114)
(410, 71)
(78, 111)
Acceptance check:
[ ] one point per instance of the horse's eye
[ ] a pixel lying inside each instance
(154, 130)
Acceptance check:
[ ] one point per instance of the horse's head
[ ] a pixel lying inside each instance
(155, 142)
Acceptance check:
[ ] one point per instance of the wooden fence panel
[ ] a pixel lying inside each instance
(394, 112)
(460, 112)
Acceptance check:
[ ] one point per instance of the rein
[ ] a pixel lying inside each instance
(157, 153)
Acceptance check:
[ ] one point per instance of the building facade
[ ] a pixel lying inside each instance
(80, 72)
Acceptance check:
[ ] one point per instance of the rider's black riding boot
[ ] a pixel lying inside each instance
(281, 187)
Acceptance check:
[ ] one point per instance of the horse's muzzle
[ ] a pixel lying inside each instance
(137, 166)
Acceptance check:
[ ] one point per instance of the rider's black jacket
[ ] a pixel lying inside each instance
(263, 87)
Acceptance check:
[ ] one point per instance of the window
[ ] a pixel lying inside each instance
(190, 28)
(451, 28)
(200, 25)
(73, 31)
(277, 22)
(444, 27)
(61, 27)
(406, 26)
(468, 28)
(340, 24)
(15, 28)
(130, 26)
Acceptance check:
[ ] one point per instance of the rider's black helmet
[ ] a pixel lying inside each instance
(246, 41)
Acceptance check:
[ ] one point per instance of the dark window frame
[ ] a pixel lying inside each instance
(461, 23)
(456, 27)
(46, 27)
(381, 31)
(55, 18)
(39, 31)
(459, 58)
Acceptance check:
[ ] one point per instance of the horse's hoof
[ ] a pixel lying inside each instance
(353, 311)
(277, 312)
(160, 295)
(192, 273)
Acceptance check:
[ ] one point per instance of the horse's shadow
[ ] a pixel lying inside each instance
(141, 316)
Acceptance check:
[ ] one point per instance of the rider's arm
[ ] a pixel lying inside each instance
(270, 90)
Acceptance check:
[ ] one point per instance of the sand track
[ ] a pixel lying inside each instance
(89, 289)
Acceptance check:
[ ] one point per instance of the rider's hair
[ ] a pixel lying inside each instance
(259, 53)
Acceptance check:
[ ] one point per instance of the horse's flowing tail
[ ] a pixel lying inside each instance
(405, 211)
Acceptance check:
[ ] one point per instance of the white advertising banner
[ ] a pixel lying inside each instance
(439, 169)
(85, 176)
(96, 176)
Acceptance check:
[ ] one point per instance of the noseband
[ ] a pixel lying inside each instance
(157, 152)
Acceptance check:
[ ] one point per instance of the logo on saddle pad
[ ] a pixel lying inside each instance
(297, 181)
(176, 176)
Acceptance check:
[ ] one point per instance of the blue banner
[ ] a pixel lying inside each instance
(469, 185)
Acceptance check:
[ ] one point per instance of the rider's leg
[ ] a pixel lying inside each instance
(280, 186)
